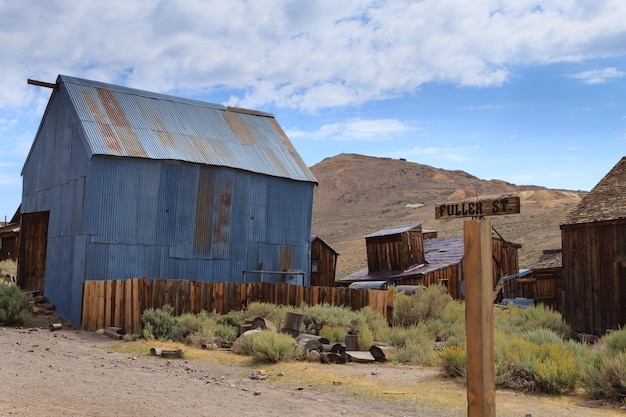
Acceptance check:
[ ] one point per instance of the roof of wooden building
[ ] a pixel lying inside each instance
(316, 237)
(606, 201)
(550, 258)
(394, 230)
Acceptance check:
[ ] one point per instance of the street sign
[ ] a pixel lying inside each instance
(478, 208)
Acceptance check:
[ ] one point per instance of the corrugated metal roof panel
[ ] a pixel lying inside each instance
(120, 121)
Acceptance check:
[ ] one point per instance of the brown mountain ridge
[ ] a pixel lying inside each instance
(358, 195)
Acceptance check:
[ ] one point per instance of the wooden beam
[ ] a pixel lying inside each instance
(478, 266)
(41, 83)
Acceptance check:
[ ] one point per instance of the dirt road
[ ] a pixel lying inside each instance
(75, 373)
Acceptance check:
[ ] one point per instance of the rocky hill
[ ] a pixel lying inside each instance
(358, 195)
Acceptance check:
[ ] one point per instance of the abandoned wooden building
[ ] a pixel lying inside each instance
(9, 238)
(409, 255)
(594, 257)
(542, 283)
(323, 263)
(122, 183)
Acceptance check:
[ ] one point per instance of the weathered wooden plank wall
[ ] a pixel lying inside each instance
(114, 303)
(593, 278)
(120, 303)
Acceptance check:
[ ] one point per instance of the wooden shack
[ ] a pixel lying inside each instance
(594, 257)
(543, 283)
(410, 255)
(323, 263)
(9, 238)
(395, 248)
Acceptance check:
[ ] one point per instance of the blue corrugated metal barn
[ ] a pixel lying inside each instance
(122, 183)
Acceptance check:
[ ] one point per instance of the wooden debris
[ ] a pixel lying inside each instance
(169, 353)
(360, 356)
(311, 342)
(351, 342)
(114, 332)
(381, 353)
(330, 357)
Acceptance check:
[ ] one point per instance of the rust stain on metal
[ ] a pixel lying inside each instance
(222, 211)
(239, 127)
(108, 135)
(203, 147)
(281, 134)
(213, 209)
(158, 127)
(120, 123)
(277, 162)
(165, 138)
(202, 227)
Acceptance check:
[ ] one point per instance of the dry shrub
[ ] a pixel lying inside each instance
(14, 306)
(453, 361)
(426, 303)
(605, 375)
(333, 333)
(272, 347)
(515, 320)
(550, 368)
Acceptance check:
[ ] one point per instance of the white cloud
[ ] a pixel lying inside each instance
(356, 129)
(448, 154)
(304, 55)
(598, 76)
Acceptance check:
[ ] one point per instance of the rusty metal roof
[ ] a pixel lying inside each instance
(394, 230)
(606, 201)
(125, 122)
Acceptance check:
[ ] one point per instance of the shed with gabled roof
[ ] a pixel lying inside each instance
(410, 255)
(323, 263)
(594, 257)
(123, 183)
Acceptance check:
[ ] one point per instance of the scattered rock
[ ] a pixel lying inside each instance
(313, 356)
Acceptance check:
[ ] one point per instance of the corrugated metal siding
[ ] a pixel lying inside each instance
(187, 204)
(118, 122)
(63, 276)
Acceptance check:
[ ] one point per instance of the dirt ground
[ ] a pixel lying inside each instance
(70, 372)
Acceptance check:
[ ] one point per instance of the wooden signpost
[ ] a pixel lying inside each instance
(478, 208)
(478, 270)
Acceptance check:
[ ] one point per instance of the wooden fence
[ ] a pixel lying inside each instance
(120, 303)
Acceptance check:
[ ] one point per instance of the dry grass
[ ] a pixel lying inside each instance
(424, 387)
(8, 267)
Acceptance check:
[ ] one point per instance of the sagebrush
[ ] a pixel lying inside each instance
(14, 306)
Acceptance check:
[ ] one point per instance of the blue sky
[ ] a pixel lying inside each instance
(530, 92)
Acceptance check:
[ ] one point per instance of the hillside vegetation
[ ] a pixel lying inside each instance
(358, 195)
